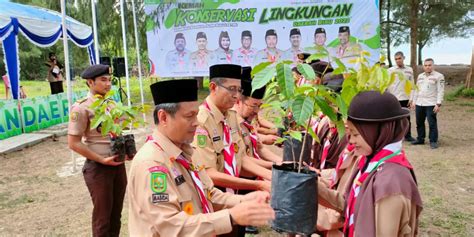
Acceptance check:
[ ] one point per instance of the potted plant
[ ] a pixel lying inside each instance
(112, 118)
(294, 186)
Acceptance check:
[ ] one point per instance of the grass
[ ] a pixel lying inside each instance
(460, 91)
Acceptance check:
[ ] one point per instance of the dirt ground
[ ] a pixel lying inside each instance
(36, 199)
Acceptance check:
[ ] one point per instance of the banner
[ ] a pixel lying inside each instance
(36, 113)
(186, 37)
(10, 123)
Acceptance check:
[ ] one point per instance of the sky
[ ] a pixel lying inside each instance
(444, 51)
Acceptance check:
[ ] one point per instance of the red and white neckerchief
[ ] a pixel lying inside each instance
(391, 153)
(202, 59)
(342, 158)
(272, 57)
(228, 56)
(230, 162)
(197, 182)
(253, 139)
(194, 175)
(246, 53)
(181, 59)
(315, 123)
(327, 145)
(341, 51)
(301, 81)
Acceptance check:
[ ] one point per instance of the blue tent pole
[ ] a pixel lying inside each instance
(94, 29)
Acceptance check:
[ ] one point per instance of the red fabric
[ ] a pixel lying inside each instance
(327, 145)
(197, 183)
(253, 139)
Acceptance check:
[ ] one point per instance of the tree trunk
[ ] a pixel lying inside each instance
(200, 81)
(470, 75)
(420, 49)
(413, 35)
(389, 55)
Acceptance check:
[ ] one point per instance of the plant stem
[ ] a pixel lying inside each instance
(303, 145)
(292, 151)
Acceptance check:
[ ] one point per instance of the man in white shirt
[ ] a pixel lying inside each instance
(398, 87)
(427, 101)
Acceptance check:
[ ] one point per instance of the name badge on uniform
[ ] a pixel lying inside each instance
(216, 138)
(160, 197)
(179, 180)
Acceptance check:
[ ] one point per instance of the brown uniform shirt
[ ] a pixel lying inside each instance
(329, 219)
(209, 138)
(176, 210)
(249, 149)
(79, 125)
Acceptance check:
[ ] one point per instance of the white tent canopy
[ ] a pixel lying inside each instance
(41, 27)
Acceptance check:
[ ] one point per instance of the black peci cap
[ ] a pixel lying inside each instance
(343, 29)
(174, 91)
(232, 71)
(295, 31)
(246, 85)
(320, 30)
(270, 32)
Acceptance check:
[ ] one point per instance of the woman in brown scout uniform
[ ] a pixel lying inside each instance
(382, 197)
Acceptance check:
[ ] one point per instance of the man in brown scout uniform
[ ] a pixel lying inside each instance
(168, 194)
(245, 55)
(219, 145)
(346, 50)
(295, 49)
(247, 108)
(202, 58)
(177, 60)
(105, 178)
(271, 53)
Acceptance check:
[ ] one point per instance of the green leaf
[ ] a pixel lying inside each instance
(408, 87)
(341, 129)
(326, 108)
(285, 79)
(342, 106)
(259, 68)
(313, 135)
(296, 135)
(287, 62)
(320, 56)
(340, 64)
(307, 71)
(262, 78)
(302, 109)
(280, 140)
(98, 121)
(338, 71)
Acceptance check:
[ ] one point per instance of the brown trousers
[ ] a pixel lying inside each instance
(106, 186)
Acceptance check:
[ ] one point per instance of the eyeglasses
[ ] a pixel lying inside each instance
(254, 107)
(232, 89)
